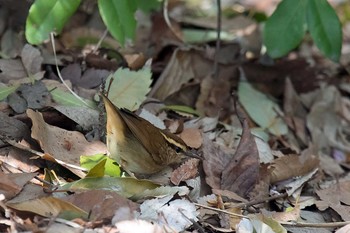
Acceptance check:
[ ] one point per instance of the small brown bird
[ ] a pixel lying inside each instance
(138, 146)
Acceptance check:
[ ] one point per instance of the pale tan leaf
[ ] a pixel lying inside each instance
(62, 144)
(129, 88)
(48, 207)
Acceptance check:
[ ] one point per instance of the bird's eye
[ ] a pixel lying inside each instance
(178, 149)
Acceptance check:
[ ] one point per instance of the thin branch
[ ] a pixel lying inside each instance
(316, 225)
(294, 224)
(167, 19)
(100, 41)
(222, 211)
(255, 202)
(59, 73)
(218, 40)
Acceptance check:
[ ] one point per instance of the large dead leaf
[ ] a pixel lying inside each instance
(101, 204)
(31, 59)
(336, 197)
(270, 79)
(20, 161)
(13, 128)
(215, 160)
(49, 207)
(12, 184)
(33, 96)
(62, 144)
(295, 112)
(11, 69)
(241, 174)
(328, 128)
(178, 72)
(292, 166)
(85, 117)
(215, 95)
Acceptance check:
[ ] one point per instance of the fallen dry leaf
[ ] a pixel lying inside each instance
(292, 166)
(241, 174)
(186, 171)
(178, 72)
(62, 144)
(101, 204)
(48, 207)
(20, 161)
(35, 96)
(12, 184)
(215, 159)
(295, 112)
(192, 137)
(31, 59)
(13, 128)
(336, 197)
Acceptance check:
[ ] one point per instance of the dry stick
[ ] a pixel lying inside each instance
(100, 41)
(167, 20)
(316, 225)
(195, 224)
(293, 224)
(255, 202)
(218, 41)
(59, 73)
(219, 210)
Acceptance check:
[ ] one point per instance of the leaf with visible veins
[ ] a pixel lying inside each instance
(241, 174)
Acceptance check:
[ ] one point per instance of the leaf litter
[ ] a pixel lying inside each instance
(282, 167)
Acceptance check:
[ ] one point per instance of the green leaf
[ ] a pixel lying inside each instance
(261, 109)
(5, 91)
(98, 170)
(129, 88)
(201, 36)
(46, 16)
(325, 28)
(67, 99)
(125, 186)
(286, 27)
(118, 16)
(149, 5)
(182, 108)
(110, 166)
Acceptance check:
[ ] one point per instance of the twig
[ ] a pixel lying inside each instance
(218, 40)
(294, 224)
(195, 224)
(222, 211)
(100, 41)
(59, 73)
(255, 202)
(316, 225)
(167, 20)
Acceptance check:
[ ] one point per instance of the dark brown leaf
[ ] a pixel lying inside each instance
(215, 159)
(241, 174)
